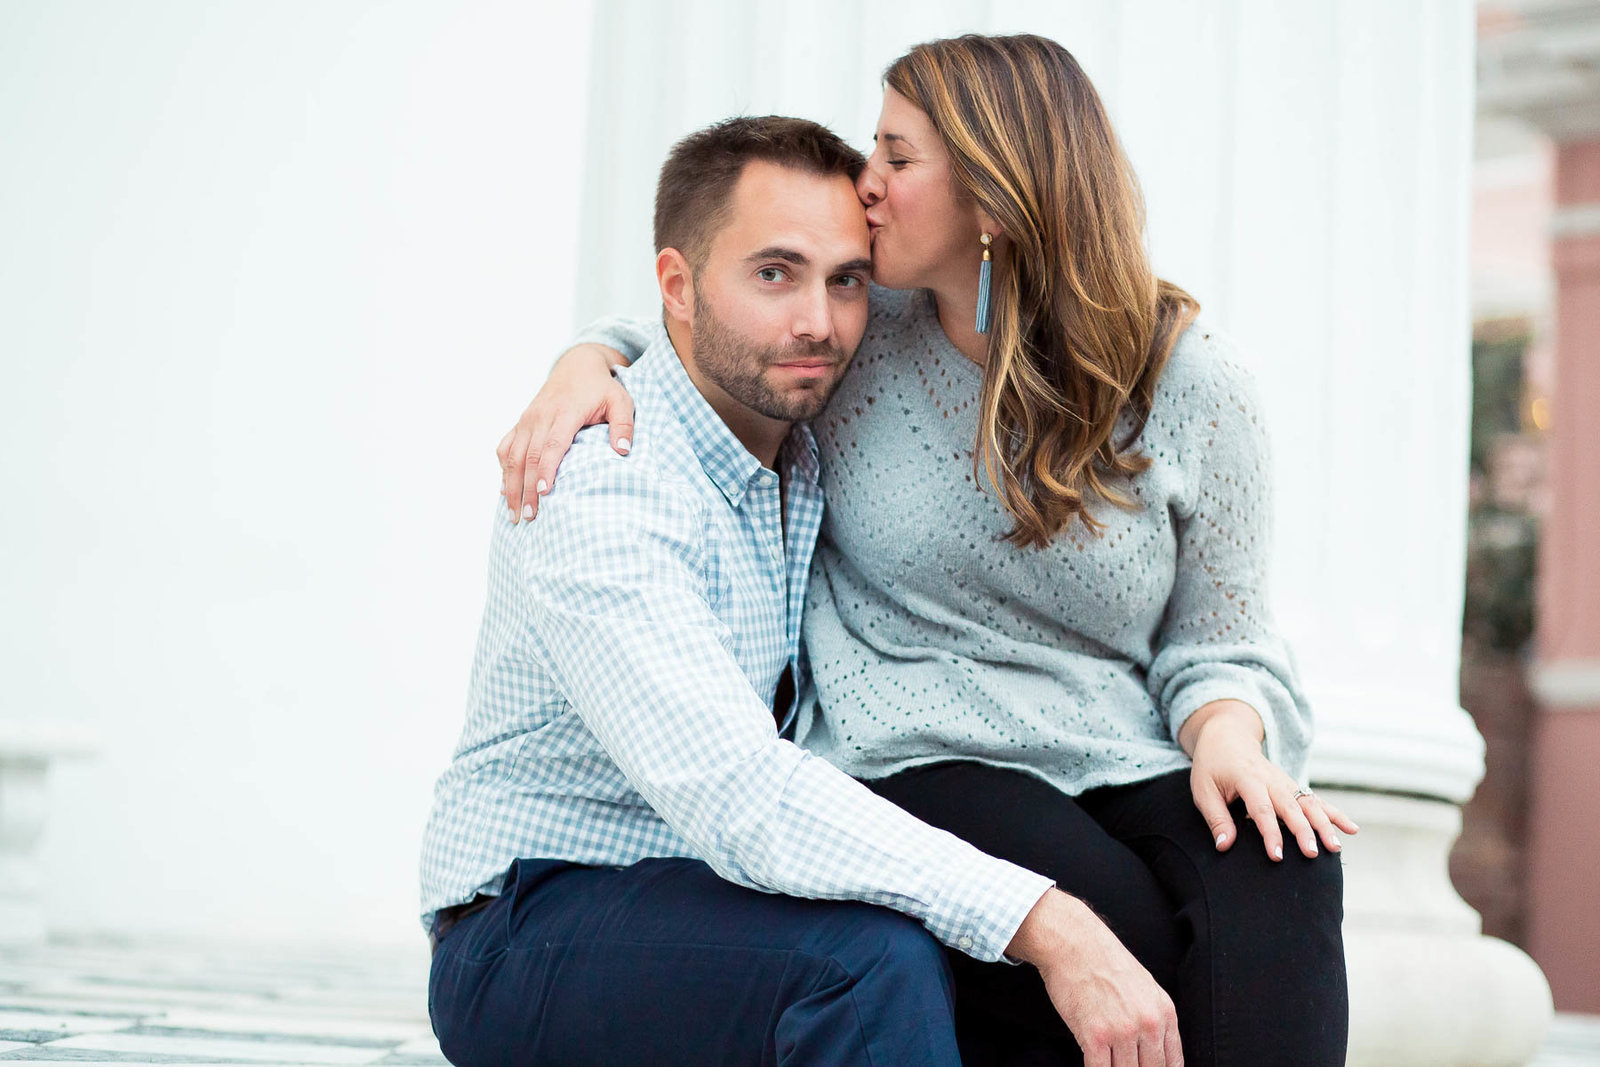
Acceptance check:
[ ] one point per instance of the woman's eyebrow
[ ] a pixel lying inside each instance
(892, 138)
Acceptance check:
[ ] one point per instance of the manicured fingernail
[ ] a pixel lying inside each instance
(1277, 852)
(527, 511)
(623, 444)
(1220, 839)
(1334, 843)
(1313, 852)
(543, 487)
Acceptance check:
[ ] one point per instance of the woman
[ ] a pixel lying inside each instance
(1037, 616)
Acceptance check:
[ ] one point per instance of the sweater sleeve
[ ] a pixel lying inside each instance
(1217, 639)
(628, 335)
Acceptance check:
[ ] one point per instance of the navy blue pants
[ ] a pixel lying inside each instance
(664, 962)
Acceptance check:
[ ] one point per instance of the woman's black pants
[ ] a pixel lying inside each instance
(1249, 950)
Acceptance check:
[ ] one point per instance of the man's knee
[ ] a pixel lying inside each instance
(880, 946)
(875, 981)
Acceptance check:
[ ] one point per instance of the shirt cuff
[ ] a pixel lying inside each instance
(982, 905)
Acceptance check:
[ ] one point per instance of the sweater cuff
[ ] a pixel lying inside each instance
(627, 336)
(1225, 682)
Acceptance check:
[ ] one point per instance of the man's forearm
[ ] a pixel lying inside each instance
(1048, 931)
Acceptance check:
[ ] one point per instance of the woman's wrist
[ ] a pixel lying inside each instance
(1225, 715)
(587, 361)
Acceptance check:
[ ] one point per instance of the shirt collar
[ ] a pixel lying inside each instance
(799, 453)
(722, 455)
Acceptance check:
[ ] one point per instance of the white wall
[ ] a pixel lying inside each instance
(273, 280)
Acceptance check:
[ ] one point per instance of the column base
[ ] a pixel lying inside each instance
(1427, 989)
(26, 751)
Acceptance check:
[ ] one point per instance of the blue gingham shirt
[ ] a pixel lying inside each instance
(621, 696)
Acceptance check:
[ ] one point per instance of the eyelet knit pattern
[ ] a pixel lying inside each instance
(930, 637)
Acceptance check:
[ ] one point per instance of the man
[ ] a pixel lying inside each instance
(620, 856)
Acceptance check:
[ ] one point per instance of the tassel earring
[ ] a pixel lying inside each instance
(982, 325)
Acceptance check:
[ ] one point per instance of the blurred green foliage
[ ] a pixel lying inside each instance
(1502, 538)
(1497, 391)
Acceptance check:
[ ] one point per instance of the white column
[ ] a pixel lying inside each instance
(1306, 169)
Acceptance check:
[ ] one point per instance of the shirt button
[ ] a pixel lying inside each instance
(963, 942)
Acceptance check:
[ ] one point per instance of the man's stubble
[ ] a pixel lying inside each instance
(736, 365)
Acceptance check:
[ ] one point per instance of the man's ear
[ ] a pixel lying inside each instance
(676, 281)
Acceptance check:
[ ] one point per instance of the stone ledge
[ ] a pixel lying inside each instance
(260, 1004)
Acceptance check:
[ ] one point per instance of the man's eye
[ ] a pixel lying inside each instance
(771, 274)
(850, 281)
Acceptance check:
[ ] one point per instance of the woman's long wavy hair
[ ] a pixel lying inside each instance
(1081, 326)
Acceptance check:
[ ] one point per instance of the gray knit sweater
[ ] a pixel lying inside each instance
(929, 637)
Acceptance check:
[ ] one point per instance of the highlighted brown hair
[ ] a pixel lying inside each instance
(1081, 326)
(696, 184)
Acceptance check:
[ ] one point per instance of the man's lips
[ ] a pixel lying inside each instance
(809, 368)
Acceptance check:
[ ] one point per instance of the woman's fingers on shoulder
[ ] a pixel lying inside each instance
(513, 453)
(619, 413)
(546, 454)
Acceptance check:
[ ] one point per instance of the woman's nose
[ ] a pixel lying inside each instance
(869, 187)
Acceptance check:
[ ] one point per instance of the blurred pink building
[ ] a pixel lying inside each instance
(1536, 266)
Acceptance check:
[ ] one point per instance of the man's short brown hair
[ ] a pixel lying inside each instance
(697, 180)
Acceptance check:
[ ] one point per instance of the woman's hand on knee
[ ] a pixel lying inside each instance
(1224, 739)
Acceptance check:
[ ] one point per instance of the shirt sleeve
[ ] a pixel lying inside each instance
(628, 335)
(1217, 639)
(614, 574)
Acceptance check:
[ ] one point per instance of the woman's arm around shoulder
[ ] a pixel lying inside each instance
(581, 391)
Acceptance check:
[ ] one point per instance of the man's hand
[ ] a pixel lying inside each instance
(1119, 1014)
(1224, 739)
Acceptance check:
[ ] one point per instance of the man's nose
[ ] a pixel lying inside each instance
(813, 316)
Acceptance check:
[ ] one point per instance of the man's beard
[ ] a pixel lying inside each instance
(737, 366)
